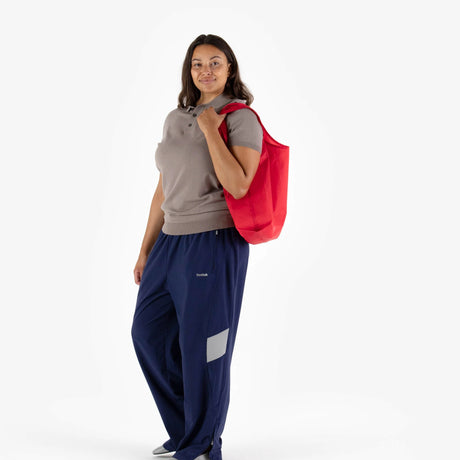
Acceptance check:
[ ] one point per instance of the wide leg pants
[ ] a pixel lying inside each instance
(184, 331)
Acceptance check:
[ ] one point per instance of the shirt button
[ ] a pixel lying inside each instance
(190, 124)
(194, 114)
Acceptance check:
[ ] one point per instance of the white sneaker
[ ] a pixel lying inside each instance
(203, 457)
(161, 450)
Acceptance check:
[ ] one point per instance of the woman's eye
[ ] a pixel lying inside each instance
(215, 64)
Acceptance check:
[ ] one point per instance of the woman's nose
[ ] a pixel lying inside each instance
(207, 68)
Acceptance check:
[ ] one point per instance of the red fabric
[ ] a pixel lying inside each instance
(259, 216)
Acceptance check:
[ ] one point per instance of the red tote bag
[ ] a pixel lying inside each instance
(259, 216)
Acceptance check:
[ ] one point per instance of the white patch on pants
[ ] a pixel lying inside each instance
(216, 345)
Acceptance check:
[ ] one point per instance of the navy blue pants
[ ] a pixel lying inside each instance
(184, 329)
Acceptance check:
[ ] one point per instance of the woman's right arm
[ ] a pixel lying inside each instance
(154, 224)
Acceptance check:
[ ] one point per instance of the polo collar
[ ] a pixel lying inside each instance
(218, 102)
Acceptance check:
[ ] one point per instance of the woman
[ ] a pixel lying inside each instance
(192, 265)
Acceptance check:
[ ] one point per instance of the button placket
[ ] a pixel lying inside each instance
(194, 114)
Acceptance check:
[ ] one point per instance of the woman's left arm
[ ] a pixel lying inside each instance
(235, 168)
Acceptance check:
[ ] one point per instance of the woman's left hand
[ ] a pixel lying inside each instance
(210, 120)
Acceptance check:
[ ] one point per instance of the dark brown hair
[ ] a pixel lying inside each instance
(234, 87)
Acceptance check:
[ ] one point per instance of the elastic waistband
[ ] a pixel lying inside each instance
(231, 229)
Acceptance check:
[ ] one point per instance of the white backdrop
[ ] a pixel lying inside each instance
(348, 340)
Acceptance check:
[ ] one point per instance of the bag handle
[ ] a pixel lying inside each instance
(231, 107)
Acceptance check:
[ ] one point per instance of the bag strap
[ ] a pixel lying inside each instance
(231, 107)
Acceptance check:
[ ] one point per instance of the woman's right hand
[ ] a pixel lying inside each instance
(139, 268)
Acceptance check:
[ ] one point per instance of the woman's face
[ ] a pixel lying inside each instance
(210, 69)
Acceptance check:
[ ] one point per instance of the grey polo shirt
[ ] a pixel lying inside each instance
(194, 199)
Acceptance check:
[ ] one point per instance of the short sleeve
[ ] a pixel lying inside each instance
(156, 157)
(244, 129)
(165, 130)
